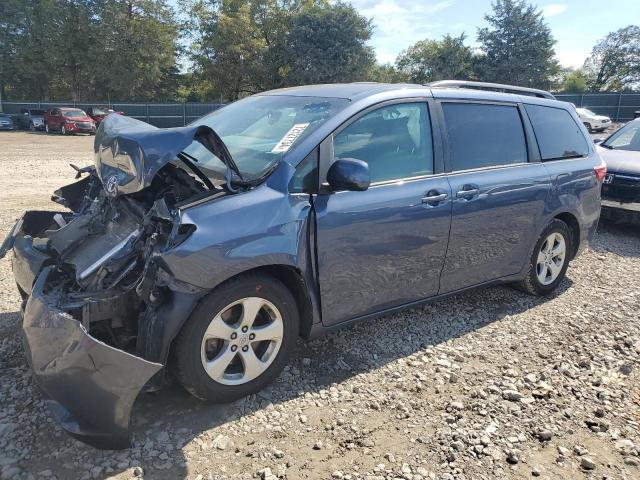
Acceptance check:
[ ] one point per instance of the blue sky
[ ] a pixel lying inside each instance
(576, 24)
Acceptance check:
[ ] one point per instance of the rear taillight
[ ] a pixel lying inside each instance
(600, 171)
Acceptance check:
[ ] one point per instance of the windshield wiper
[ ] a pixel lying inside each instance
(189, 161)
(212, 142)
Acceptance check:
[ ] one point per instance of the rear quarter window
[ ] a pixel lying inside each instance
(557, 133)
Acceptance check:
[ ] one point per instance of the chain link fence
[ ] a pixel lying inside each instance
(158, 114)
(620, 107)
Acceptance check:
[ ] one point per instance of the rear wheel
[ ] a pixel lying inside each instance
(550, 259)
(588, 127)
(238, 339)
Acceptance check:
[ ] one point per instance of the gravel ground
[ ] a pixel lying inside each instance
(487, 384)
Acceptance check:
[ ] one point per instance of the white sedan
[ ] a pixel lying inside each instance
(593, 122)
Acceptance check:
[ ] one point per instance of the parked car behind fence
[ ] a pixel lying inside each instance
(68, 121)
(6, 122)
(30, 119)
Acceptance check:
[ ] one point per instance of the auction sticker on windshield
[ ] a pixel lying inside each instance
(291, 136)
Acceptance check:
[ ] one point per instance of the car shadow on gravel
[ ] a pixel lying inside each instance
(626, 235)
(172, 417)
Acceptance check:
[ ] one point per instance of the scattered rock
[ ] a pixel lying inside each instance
(512, 395)
(587, 463)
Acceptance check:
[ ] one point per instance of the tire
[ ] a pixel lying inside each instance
(236, 380)
(588, 127)
(532, 282)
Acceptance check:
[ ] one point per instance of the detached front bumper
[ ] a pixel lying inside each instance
(89, 386)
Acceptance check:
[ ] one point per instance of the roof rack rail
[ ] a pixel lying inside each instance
(494, 87)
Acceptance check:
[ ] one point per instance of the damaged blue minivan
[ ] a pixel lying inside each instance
(205, 251)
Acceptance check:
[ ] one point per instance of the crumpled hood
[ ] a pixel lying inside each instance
(130, 152)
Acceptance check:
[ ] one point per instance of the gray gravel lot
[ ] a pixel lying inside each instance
(488, 384)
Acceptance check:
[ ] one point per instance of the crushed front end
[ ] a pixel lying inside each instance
(99, 307)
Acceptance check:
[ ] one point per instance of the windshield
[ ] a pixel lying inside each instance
(74, 113)
(584, 111)
(260, 130)
(627, 138)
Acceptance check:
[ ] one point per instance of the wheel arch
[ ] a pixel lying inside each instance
(292, 279)
(574, 226)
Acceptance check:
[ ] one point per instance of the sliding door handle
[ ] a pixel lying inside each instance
(434, 198)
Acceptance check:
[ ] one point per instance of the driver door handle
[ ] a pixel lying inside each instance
(467, 193)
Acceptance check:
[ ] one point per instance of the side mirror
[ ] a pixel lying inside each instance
(349, 174)
(598, 140)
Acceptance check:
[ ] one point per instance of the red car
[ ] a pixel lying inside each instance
(98, 113)
(68, 120)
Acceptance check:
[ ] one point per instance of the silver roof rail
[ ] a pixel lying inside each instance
(494, 87)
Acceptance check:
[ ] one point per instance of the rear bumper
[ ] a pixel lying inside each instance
(615, 204)
(89, 386)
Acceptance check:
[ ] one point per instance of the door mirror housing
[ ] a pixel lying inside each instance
(349, 174)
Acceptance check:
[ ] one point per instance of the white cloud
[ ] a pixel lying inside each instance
(554, 9)
(398, 24)
(572, 57)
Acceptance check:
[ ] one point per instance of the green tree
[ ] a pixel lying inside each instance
(239, 47)
(327, 44)
(32, 63)
(517, 48)
(574, 81)
(614, 63)
(89, 49)
(12, 24)
(386, 73)
(430, 60)
(135, 49)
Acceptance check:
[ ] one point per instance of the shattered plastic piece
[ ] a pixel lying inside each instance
(90, 386)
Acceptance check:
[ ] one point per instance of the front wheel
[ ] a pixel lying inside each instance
(588, 127)
(238, 339)
(550, 259)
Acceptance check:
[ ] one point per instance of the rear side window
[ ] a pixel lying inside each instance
(484, 135)
(558, 135)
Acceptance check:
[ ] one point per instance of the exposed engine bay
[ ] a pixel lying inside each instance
(103, 251)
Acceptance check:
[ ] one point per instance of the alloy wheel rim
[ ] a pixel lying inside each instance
(551, 258)
(242, 341)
